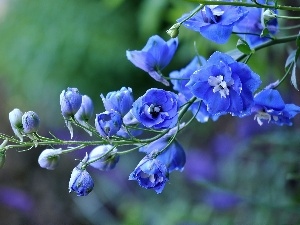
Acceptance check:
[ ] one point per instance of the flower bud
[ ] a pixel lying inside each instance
(86, 109)
(15, 119)
(107, 158)
(120, 101)
(31, 122)
(70, 102)
(49, 158)
(108, 123)
(81, 182)
(174, 30)
(268, 15)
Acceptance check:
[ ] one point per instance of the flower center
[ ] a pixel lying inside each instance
(154, 110)
(265, 115)
(220, 85)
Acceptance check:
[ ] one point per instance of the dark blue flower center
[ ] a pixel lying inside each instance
(154, 110)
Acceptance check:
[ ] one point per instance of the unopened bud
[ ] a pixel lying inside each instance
(268, 15)
(49, 158)
(15, 119)
(107, 158)
(174, 30)
(30, 122)
(70, 102)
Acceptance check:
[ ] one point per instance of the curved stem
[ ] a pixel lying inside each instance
(270, 43)
(280, 7)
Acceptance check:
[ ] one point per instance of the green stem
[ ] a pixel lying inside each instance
(288, 17)
(270, 43)
(280, 7)
(193, 13)
(186, 107)
(285, 75)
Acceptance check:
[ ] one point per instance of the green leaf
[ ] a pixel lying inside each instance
(290, 59)
(265, 32)
(243, 46)
(298, 40)
(293, 77)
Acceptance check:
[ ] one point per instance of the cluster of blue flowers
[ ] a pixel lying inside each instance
(209, 89)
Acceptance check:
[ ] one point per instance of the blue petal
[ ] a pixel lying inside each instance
(269, 98)
(216, 32)
(158, 77)
(217, 57)
(142, 60)
(216, 104)
(174, 157)
(236, 103)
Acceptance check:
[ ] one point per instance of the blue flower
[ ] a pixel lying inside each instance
(120, 101)
(224, 85)
(153, 170)
(85, 112)
(81, 182)
(270, 106)
(179, 80)
(15, 119)
(215, 22)
(150, 174)
(251, 27)
(107, 157)
(86, 109)
(157, 109)
(30, 122)
(155, 56)
(49, 158)
(108, 123)
(70, 102)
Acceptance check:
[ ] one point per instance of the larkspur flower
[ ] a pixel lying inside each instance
(157, 109)
(215, 22)
(120, 101)
(70, 102)
(150, 174)
(81, 182)
(49, 158)
(15, 119)
(86, 109)
(224, 85)
(270, 106)
(179, 80)
(108, 123)
(162, 158)
(30, 122)
(85, 112)
(155, 56)
(251, 27)
(107, 155)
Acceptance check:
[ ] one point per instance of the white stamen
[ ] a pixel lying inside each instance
(262, 116)
(220, 85)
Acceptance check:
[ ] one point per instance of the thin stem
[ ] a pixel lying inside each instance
(270, 43)
(255, 5)
(186, 107)
(196, 10)
(285, 75)
(288, 17)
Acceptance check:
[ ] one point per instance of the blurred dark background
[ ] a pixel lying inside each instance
(236, 173)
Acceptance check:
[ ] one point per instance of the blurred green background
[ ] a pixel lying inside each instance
(236, 173)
